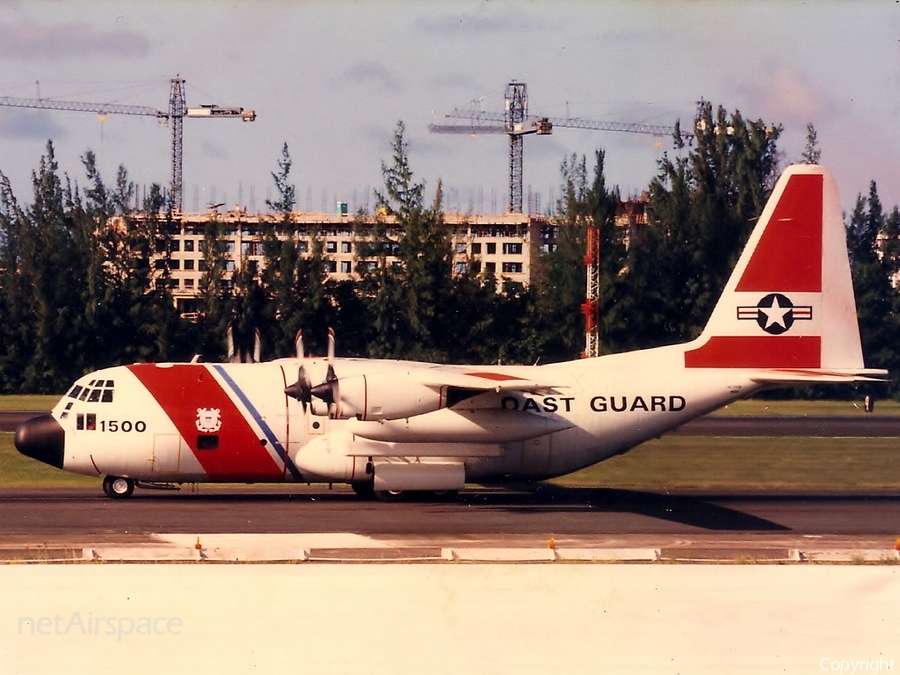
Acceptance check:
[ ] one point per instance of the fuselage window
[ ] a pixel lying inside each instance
(207, 442)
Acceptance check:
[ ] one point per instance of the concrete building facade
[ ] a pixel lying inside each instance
(504, 245)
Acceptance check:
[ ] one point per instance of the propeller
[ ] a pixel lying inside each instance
(302, 388)
(328, 391)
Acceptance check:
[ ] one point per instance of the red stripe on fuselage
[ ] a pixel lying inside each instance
(181, 390)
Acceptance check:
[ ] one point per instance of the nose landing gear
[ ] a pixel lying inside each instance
(117, 487)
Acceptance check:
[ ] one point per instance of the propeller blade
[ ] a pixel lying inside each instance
(330, 345)
(229, 345)
(301, 389)
(298, 344)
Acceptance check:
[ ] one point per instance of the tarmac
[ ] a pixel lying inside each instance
(355, 548)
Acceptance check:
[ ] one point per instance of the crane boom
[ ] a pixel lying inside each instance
(176, 113)
(478, 116)
(76, 106)
(515, 123)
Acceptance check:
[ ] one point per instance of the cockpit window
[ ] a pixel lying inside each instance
(97, 391)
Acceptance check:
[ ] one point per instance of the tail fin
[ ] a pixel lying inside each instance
(788, 308)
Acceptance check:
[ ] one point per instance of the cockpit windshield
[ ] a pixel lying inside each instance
(96, 391)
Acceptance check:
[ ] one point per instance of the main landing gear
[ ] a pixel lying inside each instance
(366, 490)
(118, 487)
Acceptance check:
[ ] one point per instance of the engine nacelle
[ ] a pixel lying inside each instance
(384, 397)
(329, 458)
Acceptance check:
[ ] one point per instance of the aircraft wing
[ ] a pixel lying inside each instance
(485, 379)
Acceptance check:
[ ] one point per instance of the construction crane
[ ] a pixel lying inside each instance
(178, 110)
(516, 123)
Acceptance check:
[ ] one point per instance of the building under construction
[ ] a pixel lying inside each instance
(505, 246)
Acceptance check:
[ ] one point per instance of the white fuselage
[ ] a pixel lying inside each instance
(232, 422)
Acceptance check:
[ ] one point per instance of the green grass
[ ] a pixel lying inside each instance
(29, 402)
(796, 408)
(19, 471)
(797, 464)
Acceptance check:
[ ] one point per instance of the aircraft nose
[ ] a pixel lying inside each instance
(42, 438)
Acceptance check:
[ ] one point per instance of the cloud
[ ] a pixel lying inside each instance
(21, 124)
(484, 20)
(789, 96)
(374, 74)
(30, 40)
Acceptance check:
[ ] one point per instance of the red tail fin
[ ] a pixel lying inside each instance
(789, 303)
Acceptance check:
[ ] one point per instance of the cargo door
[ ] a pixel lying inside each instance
(166, 454)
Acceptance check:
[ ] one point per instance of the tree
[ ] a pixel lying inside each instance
(412, 310)
(50, 264)
(877, 302)
(702, 209)
(811, 153)
(15, 344)
(561, 278)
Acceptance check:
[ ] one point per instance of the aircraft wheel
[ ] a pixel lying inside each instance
(364, 489)
(445, 495)
(118, 487)
(390, 495)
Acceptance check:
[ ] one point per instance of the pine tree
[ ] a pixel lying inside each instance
(877, 301)
(702, 209)
(811, 153)
(419, 295)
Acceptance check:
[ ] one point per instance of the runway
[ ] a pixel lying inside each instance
(588, 517)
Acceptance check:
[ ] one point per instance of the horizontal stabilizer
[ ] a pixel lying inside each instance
(800, 377)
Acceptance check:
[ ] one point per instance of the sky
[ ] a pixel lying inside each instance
(334, 79)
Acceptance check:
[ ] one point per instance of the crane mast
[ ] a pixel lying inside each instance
(177, 107)
(178, 110)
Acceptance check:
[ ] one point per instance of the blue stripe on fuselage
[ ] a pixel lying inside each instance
(266, 429)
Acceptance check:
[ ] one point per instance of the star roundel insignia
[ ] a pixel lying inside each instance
(775, 313)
